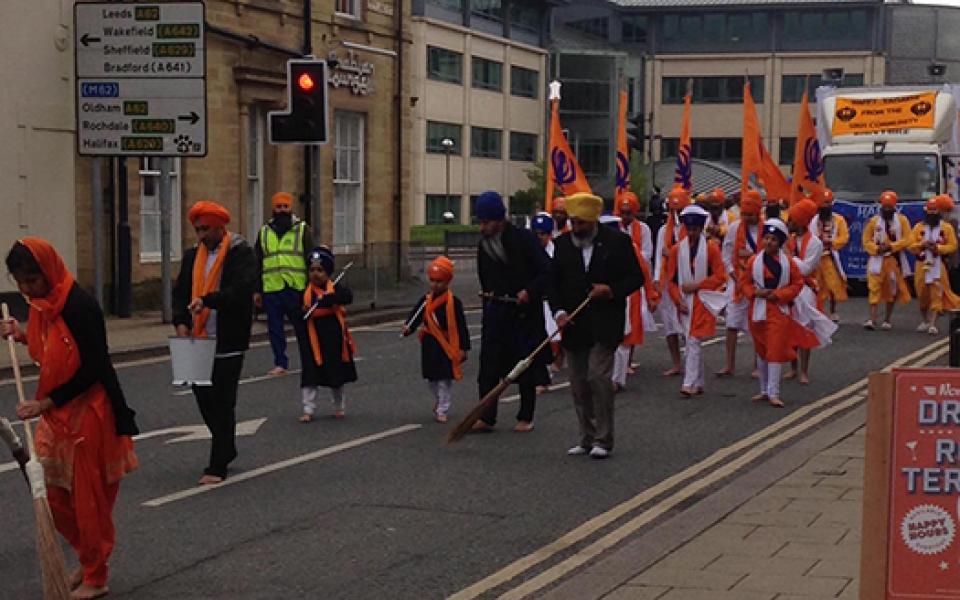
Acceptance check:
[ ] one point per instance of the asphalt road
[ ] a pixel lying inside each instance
(376, 506)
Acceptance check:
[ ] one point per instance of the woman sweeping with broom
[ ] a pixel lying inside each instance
(83, 437)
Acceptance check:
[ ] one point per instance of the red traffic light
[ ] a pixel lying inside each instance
(305, 82)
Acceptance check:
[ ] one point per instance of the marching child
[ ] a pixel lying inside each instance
(328, 362)
(444, 339)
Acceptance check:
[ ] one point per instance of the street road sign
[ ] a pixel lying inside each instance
(141, 79)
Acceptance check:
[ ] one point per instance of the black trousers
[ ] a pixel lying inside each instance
(528, 396)
(218, 403)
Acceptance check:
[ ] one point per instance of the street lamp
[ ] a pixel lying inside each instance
(447, 144)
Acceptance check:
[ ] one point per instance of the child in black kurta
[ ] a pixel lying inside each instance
(442, 348)
(328, 359)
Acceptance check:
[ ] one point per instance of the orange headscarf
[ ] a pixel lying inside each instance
(449, 340)
(441, 268)
(752, 203)
(630, 199)
(888, 199)
(209, 213)
(281, 198)
(803, 212)
(944, 203)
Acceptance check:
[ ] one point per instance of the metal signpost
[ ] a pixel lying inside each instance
(141, 91)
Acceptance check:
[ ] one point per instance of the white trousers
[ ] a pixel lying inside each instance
(667, 311)
(441, 393)
(693, 369)
(769, 377)
(737, 315)
(621, 364)
(308, 396)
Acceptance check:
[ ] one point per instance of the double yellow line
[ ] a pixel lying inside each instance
(754, 446)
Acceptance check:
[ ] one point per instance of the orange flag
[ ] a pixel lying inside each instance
(756, 160)
(563, 170)
(683, 173)
(623, 155)
(807, 161)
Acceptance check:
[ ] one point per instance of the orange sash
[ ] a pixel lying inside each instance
(449, 340)
(203, 285)
(739, 263)
(313, 294)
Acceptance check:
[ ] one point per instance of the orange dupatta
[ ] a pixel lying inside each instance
(204, 284)
(449, 340)
(313, 294)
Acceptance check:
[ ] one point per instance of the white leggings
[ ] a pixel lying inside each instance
(693, 369)
(308, 396)
(769, 378)
(441, 393)
(621, 365)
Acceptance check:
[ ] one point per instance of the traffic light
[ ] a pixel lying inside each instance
(305, 120)
(635, 132)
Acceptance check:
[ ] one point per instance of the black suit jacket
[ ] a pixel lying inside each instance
(614, 263)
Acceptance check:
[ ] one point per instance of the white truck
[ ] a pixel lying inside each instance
(885, 138)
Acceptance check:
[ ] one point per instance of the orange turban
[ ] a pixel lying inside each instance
(717, 196)
(282, 198)
(560, 203)
(932, 206)
(678, 198)
(803, 212)
(751, 203)
(823, 197)
(630, 199)
(441, 268)
(209, 213)
(888, 199)
(944, 203)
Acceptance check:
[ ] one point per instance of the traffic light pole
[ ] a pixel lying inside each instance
(166, 202)
(124, 251)
(308, 208)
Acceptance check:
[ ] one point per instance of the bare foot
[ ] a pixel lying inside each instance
(672, 372)
(688, 392)
(724, 373)
(86, 592)
(76, 578)
(441, 418)
(803, 380)
(339, 414)
(542, 389)
(631, 371)
(760, 398)
(755, 374)
(776, 402)
(617, 388)
(210, 480)
(790, 375)
(305, 418)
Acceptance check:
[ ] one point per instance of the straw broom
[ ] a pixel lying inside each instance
(52, 564)
(466, 424)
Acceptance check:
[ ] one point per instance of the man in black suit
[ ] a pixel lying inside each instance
(513, 269)
(599, 263)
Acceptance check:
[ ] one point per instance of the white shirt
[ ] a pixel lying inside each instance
(212, 321)
(646, 238)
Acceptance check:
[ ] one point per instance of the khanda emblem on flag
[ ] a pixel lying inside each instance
(812, 159)
(623, 172)
(564, 169)
(683, 174)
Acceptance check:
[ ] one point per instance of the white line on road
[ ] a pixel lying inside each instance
(254, 379)
(602, 520)
(290, 462)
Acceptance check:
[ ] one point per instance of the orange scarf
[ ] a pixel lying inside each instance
(205, 284)
(312, 295)
(449, 340)
(636, 234)
(635, 337)
(739, 263)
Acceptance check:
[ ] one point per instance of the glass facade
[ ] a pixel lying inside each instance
(437, 131)
(788, 146)
(487, 74)
(523, 146)
(791, 90)
(841, 29)
(437, 204)
(633, 29)
(730, 31)
(488, 9)
(524, 82)
(599, 26)
(712, 90)
(486, 143)
(719, 149)
(456, 5)
(444, 65)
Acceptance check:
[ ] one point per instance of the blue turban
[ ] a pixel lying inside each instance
(542, 223)
(490, 207)
(777, 229)
(324, 256)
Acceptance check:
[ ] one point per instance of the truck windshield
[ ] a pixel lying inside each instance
(861, 178)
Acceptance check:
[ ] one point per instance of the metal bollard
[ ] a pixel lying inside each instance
(955, 338)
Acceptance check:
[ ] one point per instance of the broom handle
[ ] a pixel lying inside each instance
(15, 362)
(525, 363)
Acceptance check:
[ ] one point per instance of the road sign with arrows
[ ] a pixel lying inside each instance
(141, 79)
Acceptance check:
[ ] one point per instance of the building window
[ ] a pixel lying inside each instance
(525, 16)
(719, 29)
(524, 82)
(712, 90)
(437, 204)
(788, 147)
(150, 210)
(718, 149)
(791, 90)
(634, 29)
(444, 65)
(486, 143)
(487, 74)
(348, 8)
(523, 146)
(437, 132)
(599, 26)
(255, 124)
(594, 156)
(490, 9)
(586, 97)
(522, 206)
(456, 5)
(348, 171)
(840, 25)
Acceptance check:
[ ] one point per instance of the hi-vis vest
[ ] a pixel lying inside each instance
(283, 262)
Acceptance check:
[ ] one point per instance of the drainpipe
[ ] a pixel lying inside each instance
(398, 167)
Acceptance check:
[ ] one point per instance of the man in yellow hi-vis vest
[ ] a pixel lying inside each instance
(282, 247)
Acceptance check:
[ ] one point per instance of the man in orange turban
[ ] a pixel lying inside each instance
(283, 247)
(885, 238)
(560, 217)
(933, 241)
(834, 234)
(213, 297)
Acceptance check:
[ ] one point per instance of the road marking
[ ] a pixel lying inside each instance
(550, 388)
(190, 433)
(277, 466)
(602, 520)
(10, 466)
(254, 379)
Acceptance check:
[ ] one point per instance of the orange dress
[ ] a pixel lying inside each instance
(703, 324)
(772, 337)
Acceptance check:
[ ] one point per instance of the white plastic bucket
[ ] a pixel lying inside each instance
(192, 360)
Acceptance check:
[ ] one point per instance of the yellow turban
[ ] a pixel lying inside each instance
(584, 206)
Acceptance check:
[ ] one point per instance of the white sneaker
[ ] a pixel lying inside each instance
(577, 450)
(598, 452)
(835, 318)
(922, 327)
(869, 325)
(886, 326)
(932, 330)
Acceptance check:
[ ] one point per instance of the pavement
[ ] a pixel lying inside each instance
(711, 497)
